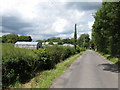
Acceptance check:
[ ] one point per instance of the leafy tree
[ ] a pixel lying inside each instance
(60, 43)
(54, 39)
(92, 45)
(13, 38)
(106, 28)
(51, 43)
(83, 40)
(39, 40)
(9, 38)
(25, 38)
(68, 41)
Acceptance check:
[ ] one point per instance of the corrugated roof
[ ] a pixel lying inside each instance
(32, 43)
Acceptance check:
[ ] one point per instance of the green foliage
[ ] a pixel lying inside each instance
(110, 58)
(50, 75)
(10, 38)
(13, 38)
(17, 64)
(83, 40)
(51, 43)
(53, 39)
(60, 41)
(68, 41)
(22, 64)
(40, 41)
(25, 38)
(106, 29)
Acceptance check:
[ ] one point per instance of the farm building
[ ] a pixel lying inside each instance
(28, 45)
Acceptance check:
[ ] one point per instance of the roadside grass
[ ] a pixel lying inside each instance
(45, 78)
(110, 58)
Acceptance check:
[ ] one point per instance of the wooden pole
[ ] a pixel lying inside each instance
(75, 37)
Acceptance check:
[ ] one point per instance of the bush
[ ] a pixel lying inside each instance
(22, 64)
(17, 63)
(51, 55)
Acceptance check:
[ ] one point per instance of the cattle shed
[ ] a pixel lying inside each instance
(28, 45)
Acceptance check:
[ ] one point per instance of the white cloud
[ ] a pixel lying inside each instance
(90, 24)
(1, 34)
(90, 34)
(63, 36)
(59, 25)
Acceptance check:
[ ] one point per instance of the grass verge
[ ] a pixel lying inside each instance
(45, 78)
(108, 57)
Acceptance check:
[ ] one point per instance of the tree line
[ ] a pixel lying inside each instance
(106, 29)
(13, 38)
(83, 40)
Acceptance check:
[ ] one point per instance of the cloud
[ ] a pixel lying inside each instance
(59, 25)
(90, 24)
(43, 20)
(83, 5)
(12, 24)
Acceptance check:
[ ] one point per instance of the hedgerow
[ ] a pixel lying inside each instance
(20, 65)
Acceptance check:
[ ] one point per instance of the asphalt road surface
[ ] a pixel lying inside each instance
(90, 70)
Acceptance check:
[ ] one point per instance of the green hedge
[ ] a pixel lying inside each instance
(21, 65)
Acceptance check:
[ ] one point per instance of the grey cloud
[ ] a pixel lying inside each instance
(83, 5)
(13, 24)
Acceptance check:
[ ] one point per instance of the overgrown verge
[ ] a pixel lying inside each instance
(45, 78)
(21, 65)
(110, 58)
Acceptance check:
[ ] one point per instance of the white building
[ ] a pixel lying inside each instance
(70, 45)
(55, 43)
(28, 45)
(45, 43)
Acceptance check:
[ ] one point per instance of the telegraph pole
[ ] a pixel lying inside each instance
(75, 37)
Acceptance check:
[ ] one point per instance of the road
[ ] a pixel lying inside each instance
(90, 70)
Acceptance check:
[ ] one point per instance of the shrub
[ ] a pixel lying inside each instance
(21, 64)
(17, 63)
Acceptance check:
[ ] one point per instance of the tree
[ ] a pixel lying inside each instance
(83, 40)
(51, 43)
(40, 41)
(10, 38)
(68, 41)
(54, 39)
(60, 43)
(92, 45)
(13, 38)
(25, 38)
(100, 29)
(106, 29)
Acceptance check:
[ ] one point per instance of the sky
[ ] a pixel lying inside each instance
(43, 19)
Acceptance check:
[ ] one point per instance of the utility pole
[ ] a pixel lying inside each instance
(75, 37)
